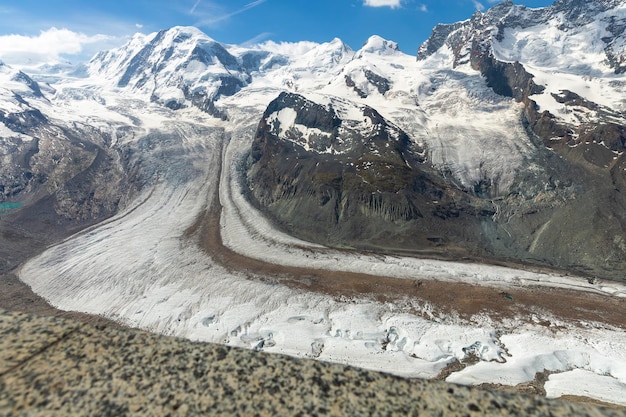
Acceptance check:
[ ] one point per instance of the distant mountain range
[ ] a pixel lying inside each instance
(502, 140)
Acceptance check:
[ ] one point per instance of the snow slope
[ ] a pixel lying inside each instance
(573, 59)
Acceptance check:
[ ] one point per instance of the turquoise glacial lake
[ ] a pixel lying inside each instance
(9, 206)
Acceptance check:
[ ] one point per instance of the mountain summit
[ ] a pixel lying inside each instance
(377, 45)
(177, 67)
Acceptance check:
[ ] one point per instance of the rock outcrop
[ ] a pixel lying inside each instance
(353, 183)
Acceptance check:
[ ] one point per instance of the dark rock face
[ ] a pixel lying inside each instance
(617, 61)
(308, 113)
(437, 39)
(251, 61)
(372, 191)
(22, 122)
(613, 136)
(350, 83)
(32, 84)
(382, 84)
(506, 79)
(65, 177)
(373, 81)
(581, 12)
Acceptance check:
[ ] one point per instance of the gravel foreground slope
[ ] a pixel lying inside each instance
(52, 366)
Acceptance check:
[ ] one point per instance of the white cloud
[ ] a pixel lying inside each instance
(213, 19)
(194, 7)
(423, 8)
(50, 46)
(138, 25)
(257, 39)
(394, 4)
(478, 5)
(290, 48)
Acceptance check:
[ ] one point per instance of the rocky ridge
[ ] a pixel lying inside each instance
(67, 171)
(58, 366)
(315, 166)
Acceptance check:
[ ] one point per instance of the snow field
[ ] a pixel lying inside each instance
(574, 60)
(585, 383)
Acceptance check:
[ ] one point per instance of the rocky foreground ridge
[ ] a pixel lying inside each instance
(59, 366)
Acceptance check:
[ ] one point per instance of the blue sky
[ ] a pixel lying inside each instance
(40, 30)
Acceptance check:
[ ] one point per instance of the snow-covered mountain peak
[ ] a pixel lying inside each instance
(602, 17)
(180, 33)
(583, 11)
(339, 44)
(178, 67)
(326, 55)
(378, 45)
(322, 124)
(15, 83)
(299, 66)
(494, 14)
(580, 37)
(146, 55)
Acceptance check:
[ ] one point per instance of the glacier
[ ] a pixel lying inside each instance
(147, 266)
